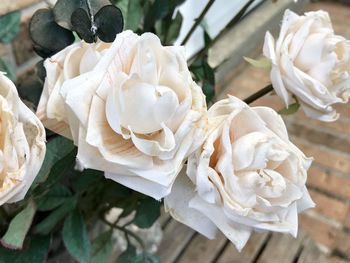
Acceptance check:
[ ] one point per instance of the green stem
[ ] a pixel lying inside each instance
(126, 231)
(198, 20)
(232, 23)
(259, 94)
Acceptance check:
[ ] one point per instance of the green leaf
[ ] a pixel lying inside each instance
(293, 108)
(128, 256)
(48, 37)
(54, 198)
(47, 224)
(75, 237)
(101, 249)
(30, 88)
(263, 63)
(8, 69)
(157, 11)
(82, 181)
(19, 227)
(174, 29)
(56, 149)
(35, 251)
(132, 13)
(147, 212)
(9, 26)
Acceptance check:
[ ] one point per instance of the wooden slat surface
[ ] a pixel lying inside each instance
(183, 245)
(282, 248)
(203, 250)
(176, 237)
(249, 252)
(311, 253)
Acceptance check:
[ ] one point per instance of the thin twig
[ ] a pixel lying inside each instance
(91, 13)
(197, 22)
(259, 94)
(126, 231)
(233, 22)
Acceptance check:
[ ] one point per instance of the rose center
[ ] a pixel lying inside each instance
(146, 107)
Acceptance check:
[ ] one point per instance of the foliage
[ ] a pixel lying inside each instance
(52, 29)
(9, 26)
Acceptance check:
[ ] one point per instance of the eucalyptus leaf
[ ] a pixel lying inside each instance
(129, 255)
(101, 249)
(8, 69)
(48, 37)
(9, 26)
(81, 24)
(293, 108)
(54, 198)
(18, 228)
(63, 11)
(30, 90)
(48, 223)
(147, 212)
(35, 251)
(106, 29)
(263, 63)
(75, 237)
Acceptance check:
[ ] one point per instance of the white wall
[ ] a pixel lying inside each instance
(218, 16)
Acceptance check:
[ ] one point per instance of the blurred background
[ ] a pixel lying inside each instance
(324, 231)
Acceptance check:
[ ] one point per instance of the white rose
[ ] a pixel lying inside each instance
(310, 62)
(74, 60)
(22, 144)
(136, 114)
(246, 176)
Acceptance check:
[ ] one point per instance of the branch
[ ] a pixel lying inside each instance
(126, 231)
(258, 94)
(198, 21)
(232, 23)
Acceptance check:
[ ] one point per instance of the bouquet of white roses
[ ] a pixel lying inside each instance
(125, 113)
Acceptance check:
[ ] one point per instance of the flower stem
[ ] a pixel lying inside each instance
(259, 94)
(232, 23)
(126, 231)
(198, 20)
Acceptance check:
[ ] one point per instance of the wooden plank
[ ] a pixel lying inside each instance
(281, 248)
(202, 250)
(175, 238)
(311, 253)
(164, 218)
(342, 243)
(249, 252)
(336, 259)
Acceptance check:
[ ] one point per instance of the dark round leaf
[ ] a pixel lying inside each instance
(40, 70)
(109, 22)
(48, 37)
(63, 11)
(82, 25)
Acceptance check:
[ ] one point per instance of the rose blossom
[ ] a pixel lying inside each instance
(135, 114)
(74, 60)
(22, 144)
(246, 176)
(311, 63)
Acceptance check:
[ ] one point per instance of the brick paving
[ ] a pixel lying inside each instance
(329, 143)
